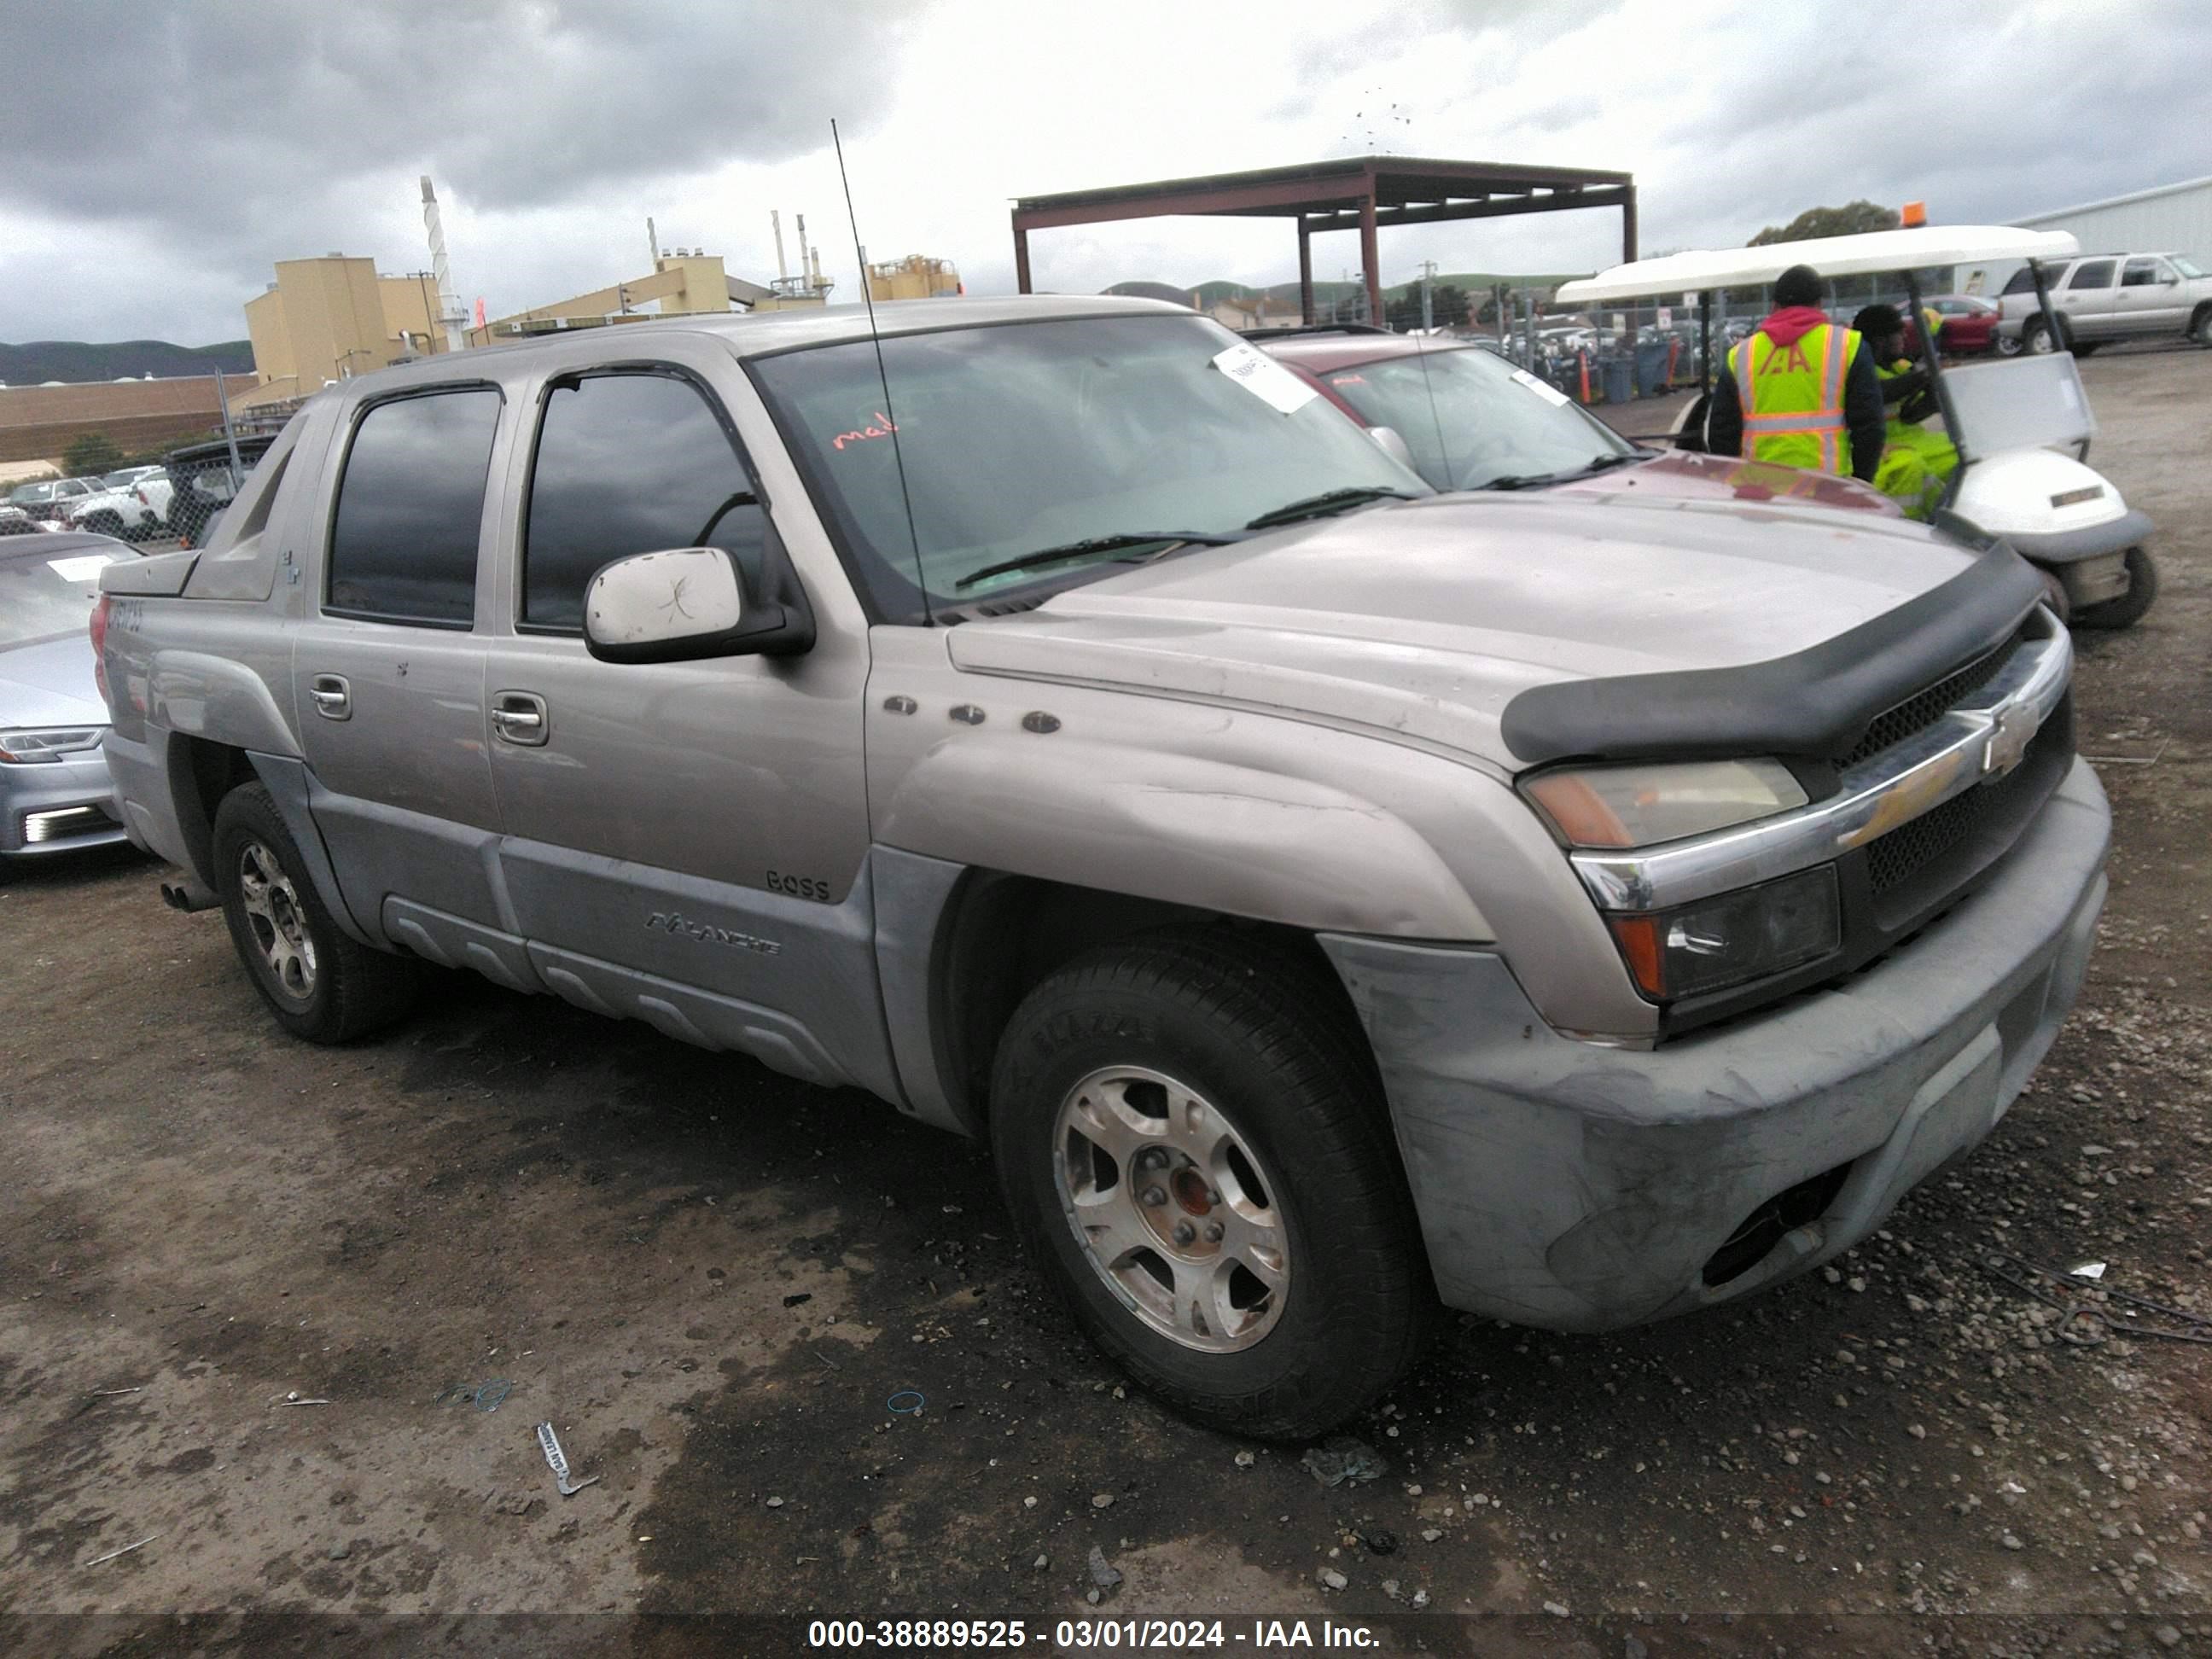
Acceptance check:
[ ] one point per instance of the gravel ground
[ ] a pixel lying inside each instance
(290, 1314)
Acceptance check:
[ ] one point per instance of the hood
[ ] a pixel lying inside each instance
(1425, 619)
(1684, 474)
(49, 683)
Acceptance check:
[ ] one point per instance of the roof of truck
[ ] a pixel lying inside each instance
(753, 334)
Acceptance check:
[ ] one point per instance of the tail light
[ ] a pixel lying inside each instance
(98, 628)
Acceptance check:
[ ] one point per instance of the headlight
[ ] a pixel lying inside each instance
(1732, 938)
(1640, 804)
(49, 743)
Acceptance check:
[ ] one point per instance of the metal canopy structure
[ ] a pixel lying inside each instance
(1366, 193)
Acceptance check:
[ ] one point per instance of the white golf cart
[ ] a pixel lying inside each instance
(2022, 425)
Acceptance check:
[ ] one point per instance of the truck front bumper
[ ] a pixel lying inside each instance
(1578, 1187)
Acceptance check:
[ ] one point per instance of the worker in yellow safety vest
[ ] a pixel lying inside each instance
(1799, 391)
(1916, 464)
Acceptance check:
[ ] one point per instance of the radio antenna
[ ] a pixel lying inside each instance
(883, 380)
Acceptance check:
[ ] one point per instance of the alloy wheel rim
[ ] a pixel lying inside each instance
(1171, 1208)
(274, 916)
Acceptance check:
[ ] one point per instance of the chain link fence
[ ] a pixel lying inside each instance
(159, 497)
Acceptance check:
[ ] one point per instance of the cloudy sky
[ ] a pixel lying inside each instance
(156, 158)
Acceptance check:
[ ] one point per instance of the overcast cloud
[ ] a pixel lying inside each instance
(153, 201)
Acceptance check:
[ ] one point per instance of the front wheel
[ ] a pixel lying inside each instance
(320, 984)
(2037, 339)
(2007, 346)
(2130, 608)
(1192, 1139)
(2200, 326)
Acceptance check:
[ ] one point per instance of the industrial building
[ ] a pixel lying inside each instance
(2165, 219)
(39, 423)
(914, 278)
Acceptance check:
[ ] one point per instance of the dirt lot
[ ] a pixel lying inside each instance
(247, 1285)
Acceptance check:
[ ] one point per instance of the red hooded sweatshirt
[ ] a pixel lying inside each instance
(1792, 323)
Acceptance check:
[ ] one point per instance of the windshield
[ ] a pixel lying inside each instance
(2187, 268)
(1036, 435)
(42, 595)
(1470, 418)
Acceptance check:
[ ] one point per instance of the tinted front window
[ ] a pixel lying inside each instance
(626, 464)
(2092, 273)
(1034, 436)
(404, 544)
(41, 595)
(1469, 418)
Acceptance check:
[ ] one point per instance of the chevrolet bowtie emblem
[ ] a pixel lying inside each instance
(2015, 730)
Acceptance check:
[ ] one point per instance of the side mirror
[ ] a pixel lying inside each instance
(689, 603)
(1392, 442)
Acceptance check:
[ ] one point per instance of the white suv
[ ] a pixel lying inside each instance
(2108, 296)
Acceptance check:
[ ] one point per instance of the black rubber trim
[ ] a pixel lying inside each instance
(2131, 529)
(1814, 704)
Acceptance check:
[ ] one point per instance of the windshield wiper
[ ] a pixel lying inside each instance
(1537, 480)
(1090, 545)
(1329, 500)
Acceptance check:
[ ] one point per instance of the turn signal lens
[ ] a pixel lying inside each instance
(1640, 804)
(1731, 939)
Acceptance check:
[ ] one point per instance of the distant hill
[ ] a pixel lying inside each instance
(77, 361)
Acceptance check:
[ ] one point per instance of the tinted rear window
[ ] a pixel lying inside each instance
(403, 543)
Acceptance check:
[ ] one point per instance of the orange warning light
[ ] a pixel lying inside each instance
(1914, 216)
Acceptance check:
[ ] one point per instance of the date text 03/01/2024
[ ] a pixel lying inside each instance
(1257, 1636)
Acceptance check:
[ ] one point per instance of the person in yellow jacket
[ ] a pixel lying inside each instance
(1800, 390)
(1916, 464)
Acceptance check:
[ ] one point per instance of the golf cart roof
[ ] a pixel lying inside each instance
(1871, 251)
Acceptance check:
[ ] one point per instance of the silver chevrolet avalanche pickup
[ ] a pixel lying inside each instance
(1329, 899)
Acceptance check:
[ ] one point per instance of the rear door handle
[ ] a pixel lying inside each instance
(333, 697)
(518, 718)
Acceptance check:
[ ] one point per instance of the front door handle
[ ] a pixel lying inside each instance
(333, 698)
(518, 718)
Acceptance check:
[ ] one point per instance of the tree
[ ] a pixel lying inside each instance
(94, 452)
(1848, 220)
(1448, 303)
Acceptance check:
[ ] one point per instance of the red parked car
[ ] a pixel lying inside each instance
(1970, 324)
(1470, 420)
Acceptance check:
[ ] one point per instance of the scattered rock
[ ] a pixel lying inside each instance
(1916, 1431)
(1103, 1573)
(1332, 1578)
(775, 1503)
(1101, 1500)
(339, 1552)
(1245, 1460)
(2166, 1636)
(1430, 1534)
(1557, 1609)
(1421, 1598)
(1041, 1563)
(2011, 1541)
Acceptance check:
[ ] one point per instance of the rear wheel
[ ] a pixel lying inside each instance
(2200, 326)
(1191, 1140)
(2130, 608)
(320, 984)
(102, 524)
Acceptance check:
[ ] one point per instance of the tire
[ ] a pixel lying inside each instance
(321, 986)
(2130, 608)
(102, 524)
(2200, 326)
(2035, 338)
(1297, 1156)
(2084, 348)
(2006, 345)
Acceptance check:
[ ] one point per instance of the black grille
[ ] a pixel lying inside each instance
(1923, 708)
(1894, 858)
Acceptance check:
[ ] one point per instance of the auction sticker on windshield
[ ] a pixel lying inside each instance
(1265, 378)
(1550, 394)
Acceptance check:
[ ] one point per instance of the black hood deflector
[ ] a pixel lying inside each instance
(1815, 704)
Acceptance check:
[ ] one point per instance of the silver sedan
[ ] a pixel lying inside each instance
(55, 795)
